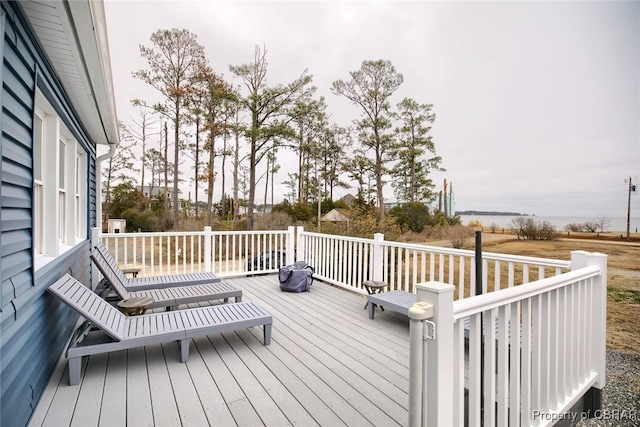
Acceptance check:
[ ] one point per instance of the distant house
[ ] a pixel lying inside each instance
(334, 215)
(348, 199)
(156, 191)
(151, 192)
(57, 106)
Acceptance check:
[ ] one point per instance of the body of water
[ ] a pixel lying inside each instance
(617, 224)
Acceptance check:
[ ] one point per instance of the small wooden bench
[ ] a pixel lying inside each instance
(401, 302)
(398, 301)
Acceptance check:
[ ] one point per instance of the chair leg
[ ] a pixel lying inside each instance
(184, 350)
(75, 366)
(267, 334)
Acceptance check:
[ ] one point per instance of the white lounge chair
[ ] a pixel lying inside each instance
(168, 297)
(122, 332)
(105, 260)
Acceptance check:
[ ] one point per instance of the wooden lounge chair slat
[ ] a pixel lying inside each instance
(130, 332)
(103, 257)
(172, 295)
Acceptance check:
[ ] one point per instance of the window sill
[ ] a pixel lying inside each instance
(40, 260)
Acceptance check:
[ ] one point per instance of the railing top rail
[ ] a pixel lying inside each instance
(249, 232)
(334, 236)
(550, 262)
(189, 233)
(486, 255)
(152, 234)
(479, 303)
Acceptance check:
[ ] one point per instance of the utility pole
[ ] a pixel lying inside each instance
(631, 188)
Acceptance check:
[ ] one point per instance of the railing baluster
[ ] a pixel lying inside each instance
(502, 385)
(488, 373)
(526, 372)
(515, 356)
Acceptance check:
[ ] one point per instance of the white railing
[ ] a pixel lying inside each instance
(227, 253)
(549, 331)
(340, 260)
(547, 349)
(348, 261)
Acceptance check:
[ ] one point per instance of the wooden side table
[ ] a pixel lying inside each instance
(373, 287)
(134, 306)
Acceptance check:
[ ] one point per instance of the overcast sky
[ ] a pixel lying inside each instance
(537, 103)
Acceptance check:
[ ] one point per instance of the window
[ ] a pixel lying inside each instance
(37, 185)
(80, 218)
(62, 203)
(59, 186)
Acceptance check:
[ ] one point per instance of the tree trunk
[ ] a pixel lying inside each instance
(236, 183)
(223, 210)
(210, 176)
(197, 179)
(252, 169)
(176, 135)
(266, 186)
(144, 152)
(166, 176)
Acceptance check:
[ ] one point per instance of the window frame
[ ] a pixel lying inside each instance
(60, 196)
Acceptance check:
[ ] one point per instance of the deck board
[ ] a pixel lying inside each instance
(328, 364)
(138, 410)
(115, 391)
(188, 402)
(213, 404)
(87, 411)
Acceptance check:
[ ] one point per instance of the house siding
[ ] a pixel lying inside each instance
(34, 326)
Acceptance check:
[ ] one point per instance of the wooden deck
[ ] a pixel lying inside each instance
(328, 364)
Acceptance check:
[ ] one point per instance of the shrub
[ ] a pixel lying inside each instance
(143, 221)
(590, 227)
(272, 221)
(528, 229)
(575, 227)
(411, 216)
(474, 224)
(458, 235)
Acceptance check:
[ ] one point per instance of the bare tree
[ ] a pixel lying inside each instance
(142, 131)
(267, 107)
(173, 60)
(602, 222)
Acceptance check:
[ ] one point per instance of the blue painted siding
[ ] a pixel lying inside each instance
(34, 326)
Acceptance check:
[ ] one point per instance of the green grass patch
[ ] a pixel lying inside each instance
(628, 296)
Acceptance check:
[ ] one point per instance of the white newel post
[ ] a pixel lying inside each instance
(599, 317)
(378, 257)
(207, 248)
(418, 313)
(300, 246)
(578, 260)
(95, 273)
(438, 385)
(290, 245)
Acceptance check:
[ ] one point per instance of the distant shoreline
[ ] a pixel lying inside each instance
(490, 213)
(614, 224)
